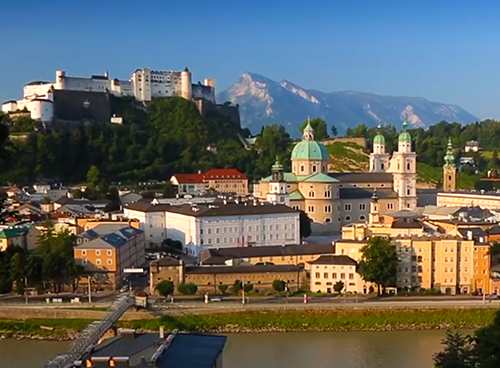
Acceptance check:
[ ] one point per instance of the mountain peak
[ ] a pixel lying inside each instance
(264, 101)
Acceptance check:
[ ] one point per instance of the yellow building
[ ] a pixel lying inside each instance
(440, 262)
(24, 237)
(482, 264)
(326, 271)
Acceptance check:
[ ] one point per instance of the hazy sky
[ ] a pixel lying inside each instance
(443, 50)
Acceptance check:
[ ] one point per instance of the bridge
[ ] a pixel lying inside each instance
(90, 336)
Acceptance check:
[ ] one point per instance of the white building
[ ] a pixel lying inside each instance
(402, 165)
(144, 85)
(205, 226)
(472, 146)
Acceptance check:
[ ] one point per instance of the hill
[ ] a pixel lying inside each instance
(263, 101)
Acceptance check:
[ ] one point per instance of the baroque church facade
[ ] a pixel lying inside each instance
(338, 199)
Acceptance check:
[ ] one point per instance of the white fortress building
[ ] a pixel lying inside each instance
(144, 85)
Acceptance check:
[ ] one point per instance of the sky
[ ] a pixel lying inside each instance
(446, 50)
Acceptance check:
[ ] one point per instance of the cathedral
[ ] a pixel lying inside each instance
(338, 199)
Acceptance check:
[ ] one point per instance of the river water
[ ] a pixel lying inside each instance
(407, 349)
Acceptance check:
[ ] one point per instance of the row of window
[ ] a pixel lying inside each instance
(334, 276)
(97, 252)
(326, 194)
(250, 228)
(109, 261)
(249, 238)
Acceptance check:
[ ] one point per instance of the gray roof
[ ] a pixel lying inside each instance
(109, 240)
(242, 269)
(221, 209)
(362, 177)
(75, 201)
(165, 261)
(364, 193)
(128, 346)
(192, 351)
(219, 256)
(405, 214)
(335, 260)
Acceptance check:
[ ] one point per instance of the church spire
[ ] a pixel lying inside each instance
(449, 158)
(308, 133)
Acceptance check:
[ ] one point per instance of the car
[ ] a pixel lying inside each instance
(124, 289)
(216, 300)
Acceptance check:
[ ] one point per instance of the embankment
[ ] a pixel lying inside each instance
(271, 320)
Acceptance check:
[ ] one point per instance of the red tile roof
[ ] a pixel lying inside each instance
(189, 178)
(224, 174)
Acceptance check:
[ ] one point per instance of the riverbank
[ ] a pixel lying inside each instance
(268, 321)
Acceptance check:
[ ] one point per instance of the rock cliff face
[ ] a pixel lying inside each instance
(264, 101)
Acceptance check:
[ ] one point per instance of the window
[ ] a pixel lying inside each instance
(310, 209)
(362, 218)
(98, 261)
(351, 276)
(328, 220)
(342, 276)
(334, 275)
(301, 168)
(84, 252)
(328, 194)
(347, 207)
(408, 166)
(348, 218)
(109, 252)
(328, 209)
(390, 206)
(325, 275)
(98, 252)
(362, 206)
(109, 262)
(314, 168)
(408, 192)
(311, 194)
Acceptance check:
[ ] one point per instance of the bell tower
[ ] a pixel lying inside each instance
(374, 216)
(278, 191)
(449, 170)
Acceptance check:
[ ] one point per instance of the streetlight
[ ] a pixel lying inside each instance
(26, 290)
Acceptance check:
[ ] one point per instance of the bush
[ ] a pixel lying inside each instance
(248, 287)
(187, 289)
(165, 288)
(339, 285)
(236, 287)
(279, 285)
(223, 288)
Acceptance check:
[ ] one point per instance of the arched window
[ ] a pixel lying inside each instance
(311, 194)
(362, 218)
(314, 169)
(408, 166)
(382, 166)
(301, 168)
(327, 220)
(348, 218)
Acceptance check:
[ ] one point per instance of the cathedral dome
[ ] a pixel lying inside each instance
(404, 136)
(308, 148)
(379, 138)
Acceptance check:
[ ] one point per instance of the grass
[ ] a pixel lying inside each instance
(348, 156)
(277, 320)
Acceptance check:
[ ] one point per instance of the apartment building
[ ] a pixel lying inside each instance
(105, 251)
(25, 237)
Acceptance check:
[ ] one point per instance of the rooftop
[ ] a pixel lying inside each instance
(362, 177)
(13, 232)
(224, 174)
(335, 260)
(364, 193)
(189, 178)
(219, 256)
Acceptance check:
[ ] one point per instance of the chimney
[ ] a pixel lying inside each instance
(162, 332)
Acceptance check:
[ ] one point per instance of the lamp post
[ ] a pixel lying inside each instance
(90, 290)
(26, 290)
(242, 291)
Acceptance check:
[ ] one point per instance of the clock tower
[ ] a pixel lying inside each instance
(278, 191)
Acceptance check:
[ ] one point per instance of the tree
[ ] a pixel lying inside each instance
(279, 285)
(165, 288)
(187, 289)
(18, 271)
(333, 131)
(319, 126)
(248, 287)
(360, 131)
(94, 176)
(236, 287)
(458, 352)
(305, 225)
(494, 162)
(494, 249)
(379, 263)
(168, 190)
(338, 287)
(223, 288)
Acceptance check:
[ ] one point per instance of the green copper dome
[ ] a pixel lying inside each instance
(308, 148)
(379, 138)
(449, 159)
(404, 136)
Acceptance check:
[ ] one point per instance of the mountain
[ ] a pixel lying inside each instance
(263, 101)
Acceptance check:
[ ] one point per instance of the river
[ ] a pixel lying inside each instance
(406, 349)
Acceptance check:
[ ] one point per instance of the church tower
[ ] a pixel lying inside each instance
(278, 192)
(374, 216)
(449, 170)
(404, 171)
(379, 159)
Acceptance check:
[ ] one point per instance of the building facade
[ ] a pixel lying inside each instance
(483, 199)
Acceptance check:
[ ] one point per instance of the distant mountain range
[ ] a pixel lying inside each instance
(264, 101)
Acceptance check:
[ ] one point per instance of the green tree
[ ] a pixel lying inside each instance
(94, 176)
(359, 131)
(333, 131)
(494, 162)
(319, 126)
(223, 288)
(165, 288)
(458, 352)
(248, 287)
(279, 285)
(168, 190)
(18, 270)
(236, 287)
(187, 289)
(379, 263)
(338, 287)
(305, 225)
